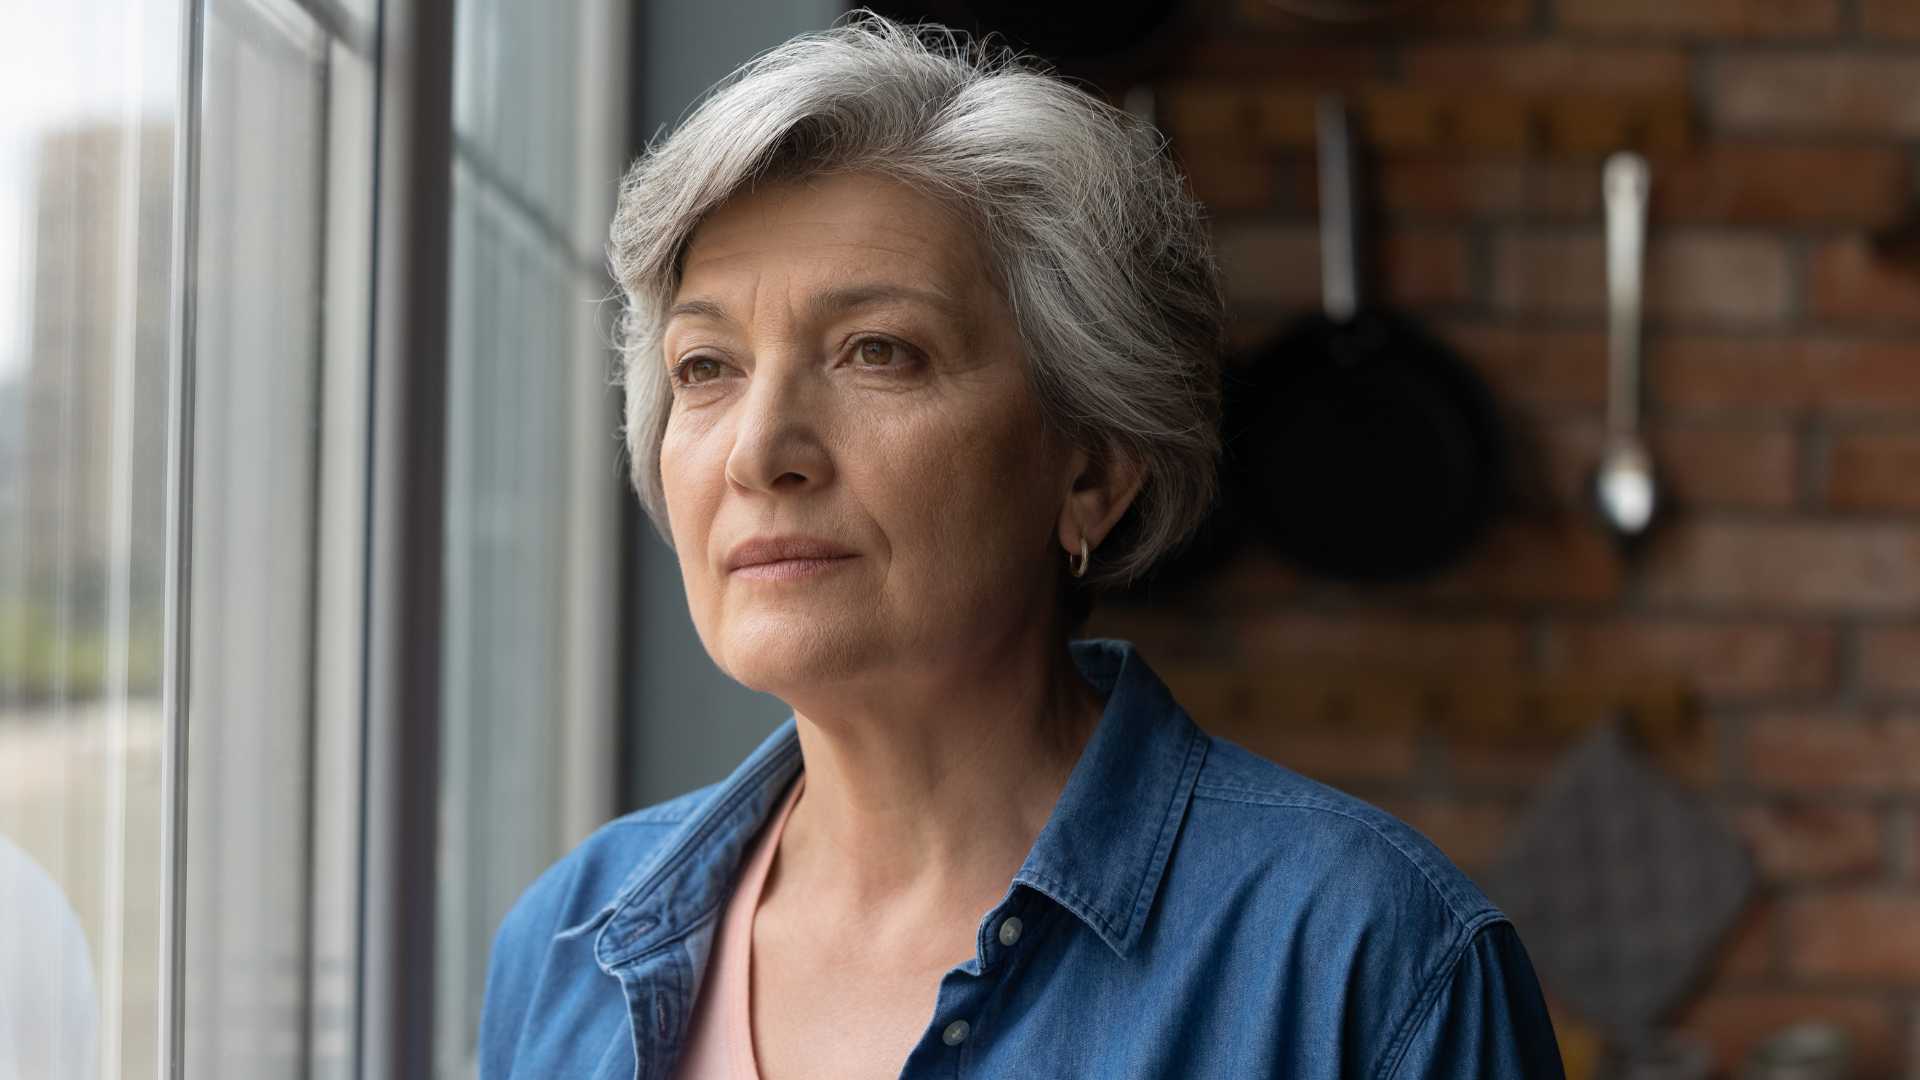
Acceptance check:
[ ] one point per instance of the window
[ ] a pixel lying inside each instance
(534, 473)
(276, 342)
(205, 783)
(88, 143)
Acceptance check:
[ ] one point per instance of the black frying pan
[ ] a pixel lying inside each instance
(1363, 448)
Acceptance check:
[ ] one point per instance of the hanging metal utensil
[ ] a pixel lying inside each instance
(1625, 490)
(1365, 449)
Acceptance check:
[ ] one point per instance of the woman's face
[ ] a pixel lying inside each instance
(855, 468)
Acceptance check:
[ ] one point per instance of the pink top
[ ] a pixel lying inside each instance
(720, 1046)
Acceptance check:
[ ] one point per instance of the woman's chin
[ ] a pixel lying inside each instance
(782, 652)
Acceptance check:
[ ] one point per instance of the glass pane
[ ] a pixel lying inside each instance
(256, 363)
(533, 472)
(88, 92)
(277, 514)
(340, 583)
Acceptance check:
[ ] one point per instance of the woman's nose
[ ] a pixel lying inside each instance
(777, 444)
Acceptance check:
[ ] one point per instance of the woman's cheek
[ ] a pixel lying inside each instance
(689, 474)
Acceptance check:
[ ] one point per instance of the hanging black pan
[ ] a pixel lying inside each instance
(1365, 450)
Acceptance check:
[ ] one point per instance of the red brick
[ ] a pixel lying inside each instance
(1890, 659)
(1325, 754)
(1891, 18)
(1285, 721)
(1250, 328)
(1230, 179)
(1319, 65)
(1769, 183)
(1468, 832)
(1163, 635)
(1700, 467)
(1706, 467)
(1727, 660)
(1834, 751)
(1526, 761)
(1279, 265)
(1253, 575)
(1422, 118)
(1862, 935)
(1519, 762)
(1535, 368)
(1427, 266)
(1271, 265)
(1452, 186)
(1905, 825)
(1297, 696)
(1551, 455)
(1582, 1044)
(1747, 952)
(1693, 760)
(1826, 92)
(1377, 641)
(1913, 1047)
(1296, 184)
(1548, 67)
(1557, 559)
(1396, 118)
(1874, 470)
(1734, 1022)
(1718, 183)
(1723, 277)
(1787, 565)
(1323, 18)
(1705, 18)
(1794, 840)
(1848, 282)
(1251, 117)
(1693, 373)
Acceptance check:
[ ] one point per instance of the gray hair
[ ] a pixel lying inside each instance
(1103, 257)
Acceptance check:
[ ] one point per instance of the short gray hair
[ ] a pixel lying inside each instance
(1103, 257)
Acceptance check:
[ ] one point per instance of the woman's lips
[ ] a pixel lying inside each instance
(790, 569)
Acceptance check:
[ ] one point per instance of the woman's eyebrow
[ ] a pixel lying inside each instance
(842, 298)
(838, 300)
(707, 308)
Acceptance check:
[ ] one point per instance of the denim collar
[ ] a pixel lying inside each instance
(1101, 855)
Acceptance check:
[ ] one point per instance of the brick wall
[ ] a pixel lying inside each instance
(1784, 407)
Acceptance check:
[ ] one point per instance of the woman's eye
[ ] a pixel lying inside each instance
(879, 352)
(699, 369)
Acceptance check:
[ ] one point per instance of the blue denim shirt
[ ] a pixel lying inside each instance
(1189, 910)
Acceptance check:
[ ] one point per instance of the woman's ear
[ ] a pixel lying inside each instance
(1102, 488)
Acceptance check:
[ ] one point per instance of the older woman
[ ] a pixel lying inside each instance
(920, 348)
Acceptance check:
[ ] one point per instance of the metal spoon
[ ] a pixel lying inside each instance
(1625, 490)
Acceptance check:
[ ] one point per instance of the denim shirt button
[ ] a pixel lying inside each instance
(956, 1033)
(1010, 930)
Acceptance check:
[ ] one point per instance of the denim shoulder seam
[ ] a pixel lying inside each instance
(1250, 796)
(646, 817)
(1396, 1050)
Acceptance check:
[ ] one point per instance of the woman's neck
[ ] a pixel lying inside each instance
(929, 794)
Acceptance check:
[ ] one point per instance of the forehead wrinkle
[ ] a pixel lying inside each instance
(707, 305)
(904, 267)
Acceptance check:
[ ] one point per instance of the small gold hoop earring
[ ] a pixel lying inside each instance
(1078, 567)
